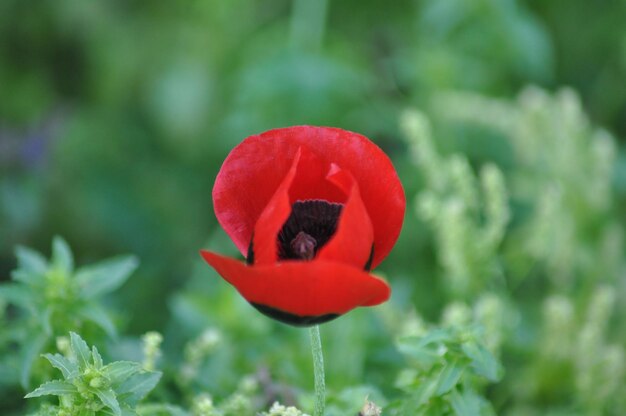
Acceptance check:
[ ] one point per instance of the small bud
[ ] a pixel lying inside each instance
(370, 409)
(151, 349)
(97, 382)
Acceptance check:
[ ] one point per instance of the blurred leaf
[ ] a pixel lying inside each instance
(465, 404)
(106, 276)
(137, 387)
(119, 371)
(17, 295)
(29, 354)
(96, 314)
(483, 361)
(449, 377)
(31, 261)
(62, 255)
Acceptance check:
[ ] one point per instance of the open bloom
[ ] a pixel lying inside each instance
(312, 209)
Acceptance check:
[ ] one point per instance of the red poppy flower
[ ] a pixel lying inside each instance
(312, 209)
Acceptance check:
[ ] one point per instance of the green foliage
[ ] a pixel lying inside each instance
(508, 292)
(89, 387)
(469, 214)
(53, 297)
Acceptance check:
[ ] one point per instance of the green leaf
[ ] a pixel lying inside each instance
(45, 318)
(18, 295)
(483, 362)
(137, 387)
(31, 262)
(80, 349)
(424, 392)
(119, 371)
(62, 255)
(107, 397)
(125, 412)
(54, 388)
(106, 276)
(96, 314)
(31, 351)
(67, 367)
(97, 358)
(161, 409)
(426, 354)
(29, 279)
(448, 378)
(464, 404)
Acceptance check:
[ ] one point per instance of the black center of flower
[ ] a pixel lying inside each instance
(311, 224)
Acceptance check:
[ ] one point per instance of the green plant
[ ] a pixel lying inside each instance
(89, 387)
(53, 297)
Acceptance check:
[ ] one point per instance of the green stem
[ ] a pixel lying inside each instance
(318, 369)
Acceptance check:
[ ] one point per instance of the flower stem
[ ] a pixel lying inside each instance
(318, 369)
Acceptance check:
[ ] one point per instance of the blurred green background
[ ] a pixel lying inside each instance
(115, 117)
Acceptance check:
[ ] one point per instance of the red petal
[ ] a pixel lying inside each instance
(254, 170)
(352, 242)
(302, 288)
(306, 173)
(273, 217)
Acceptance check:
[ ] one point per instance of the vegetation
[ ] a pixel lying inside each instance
(504, 119)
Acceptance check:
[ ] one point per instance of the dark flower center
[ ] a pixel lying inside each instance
(311, 224)
(309, 227)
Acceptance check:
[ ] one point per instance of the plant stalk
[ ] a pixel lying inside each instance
(318, 370)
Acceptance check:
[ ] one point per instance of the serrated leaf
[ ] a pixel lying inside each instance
(31, 262)
(106, 276)
(107, 397)
(119, 371)
(448, 378)
(96, 314)
(464, 404)
(137, 387)
(54, 388)
(97, 358)
(62, 255)
(67, 367)
(80, 349)
(31, 351)
(483, 362)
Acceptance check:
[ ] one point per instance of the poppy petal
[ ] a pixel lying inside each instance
(306, 173)
(254, 170)
(272, 219)
(298, 289)
(353, 240)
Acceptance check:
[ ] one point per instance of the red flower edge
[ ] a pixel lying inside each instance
(255, 168)
(301, 293)
(312, 209)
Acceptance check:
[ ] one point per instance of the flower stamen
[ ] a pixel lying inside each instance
(303, 246)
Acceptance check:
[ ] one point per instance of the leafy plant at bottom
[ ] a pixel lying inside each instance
(449, 366)
(90, 388)
(53, 298)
